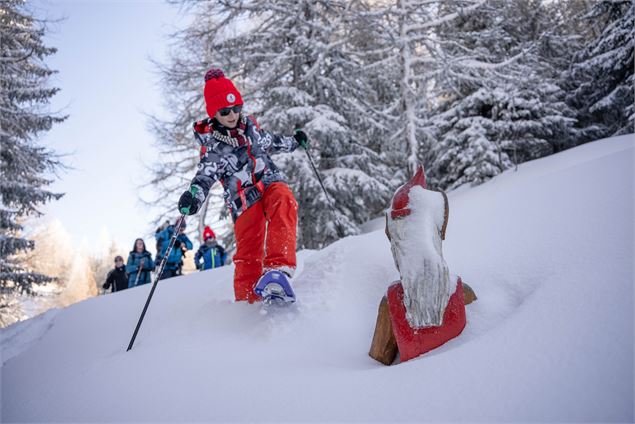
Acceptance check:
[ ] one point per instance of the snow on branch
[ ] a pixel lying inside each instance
(447, 18)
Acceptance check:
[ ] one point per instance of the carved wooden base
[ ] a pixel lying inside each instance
(384, 346)
(468, 294)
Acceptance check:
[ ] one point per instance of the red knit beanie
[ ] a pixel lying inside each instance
(208, 233)
(219, 92)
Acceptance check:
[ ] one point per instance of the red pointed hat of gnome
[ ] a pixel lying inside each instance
(219, 92)
(401, 199)
(208, 233)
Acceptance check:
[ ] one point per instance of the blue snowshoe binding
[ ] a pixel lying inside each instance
(274, 288)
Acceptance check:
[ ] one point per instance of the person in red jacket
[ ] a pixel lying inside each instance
(236, 152)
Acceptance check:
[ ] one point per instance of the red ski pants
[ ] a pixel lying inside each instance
(265, 239)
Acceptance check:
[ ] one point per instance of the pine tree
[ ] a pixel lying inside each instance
(53, 252)
(601, 79)
(80, 283)
(53, 255)
(293, 65)
(499, 102)
(24, 165)
(323, 88)
(400, 49)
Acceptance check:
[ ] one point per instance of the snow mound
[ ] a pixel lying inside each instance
(547, 248)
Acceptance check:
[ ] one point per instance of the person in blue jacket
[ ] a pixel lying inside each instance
(181, 245)
(139, 265)
(212, 253)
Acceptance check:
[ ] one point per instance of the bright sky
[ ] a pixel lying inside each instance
(108, 85)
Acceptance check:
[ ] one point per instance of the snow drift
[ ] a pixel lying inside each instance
(547, 248)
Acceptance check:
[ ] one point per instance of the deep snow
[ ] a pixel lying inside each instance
(547, 248)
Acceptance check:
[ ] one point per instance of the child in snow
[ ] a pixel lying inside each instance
(117, 277)
(212, 253)
(237, 152)
(139, 264)
(181, 245)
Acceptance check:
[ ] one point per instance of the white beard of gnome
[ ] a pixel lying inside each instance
(414, 226)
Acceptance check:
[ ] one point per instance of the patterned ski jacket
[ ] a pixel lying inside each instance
(136, 277)
(239, 159)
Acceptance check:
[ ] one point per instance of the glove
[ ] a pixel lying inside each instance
(188, 204)
(177, 244)
(301, 137)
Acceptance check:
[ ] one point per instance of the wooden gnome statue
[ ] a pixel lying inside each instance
(426, 308)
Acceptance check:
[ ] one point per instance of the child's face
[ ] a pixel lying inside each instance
(228, 121)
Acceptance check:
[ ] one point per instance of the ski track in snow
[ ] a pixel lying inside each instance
(316, 285)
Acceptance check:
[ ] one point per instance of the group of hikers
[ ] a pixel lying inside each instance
(140, 265)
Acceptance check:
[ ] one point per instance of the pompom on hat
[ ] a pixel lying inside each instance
(208, 233)
(219, 92)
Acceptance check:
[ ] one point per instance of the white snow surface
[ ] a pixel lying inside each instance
(548, 250)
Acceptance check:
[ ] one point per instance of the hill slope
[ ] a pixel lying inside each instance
(547, 248)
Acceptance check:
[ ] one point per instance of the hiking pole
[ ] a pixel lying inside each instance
(340, 232)
(179, 222)
(136, 280)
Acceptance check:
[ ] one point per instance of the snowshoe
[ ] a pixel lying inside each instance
(274, 288)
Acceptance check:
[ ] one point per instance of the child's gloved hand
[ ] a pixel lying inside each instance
(301, 137)
(188, 204)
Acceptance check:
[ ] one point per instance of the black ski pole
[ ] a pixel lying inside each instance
(179, 222)
(338, 226)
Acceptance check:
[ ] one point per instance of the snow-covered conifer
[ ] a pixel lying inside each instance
(303, 71)
(601, 78)
(498, 100)
(292, 62)
(25, 166)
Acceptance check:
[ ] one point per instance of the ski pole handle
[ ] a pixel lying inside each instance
(301, 137)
